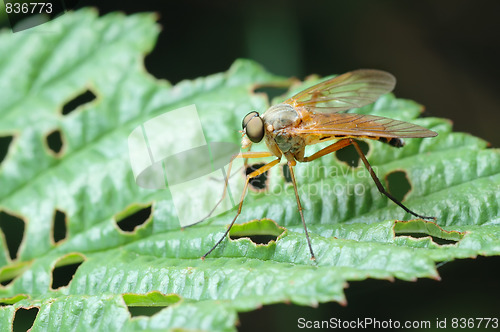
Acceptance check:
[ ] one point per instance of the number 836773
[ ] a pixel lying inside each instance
(28, 7)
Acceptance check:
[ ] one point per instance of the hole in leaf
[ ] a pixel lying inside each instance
(59, 226)
(65, 269)
(418, 229)
(148, 304)
(13, 230)
(9, 272)
(6, 282)
(286, 173)
(257, 183)
(258, 231)
(257, 238)
(398, 184)
(435, 239)
(24, 319)
(54, 141)
(350, 156)
(133, 217)
(145, 311)
(62, 275)
(4, 146)
(84, 98)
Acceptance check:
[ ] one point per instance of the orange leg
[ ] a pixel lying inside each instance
(346, 142)
(249, 177)
(245, 164)
(245, 155)
(329, 149)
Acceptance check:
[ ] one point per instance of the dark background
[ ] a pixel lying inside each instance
(444, 53)
(445, 56)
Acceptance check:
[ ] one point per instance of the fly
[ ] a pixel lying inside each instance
(317, 114)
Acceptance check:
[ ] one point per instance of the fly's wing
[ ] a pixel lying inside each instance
(350, 90)
(349, 124)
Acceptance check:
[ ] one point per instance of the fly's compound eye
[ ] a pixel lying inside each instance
(254, 127)
(247, 118)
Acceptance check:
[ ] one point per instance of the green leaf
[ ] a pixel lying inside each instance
(356, 233)
(153, 298)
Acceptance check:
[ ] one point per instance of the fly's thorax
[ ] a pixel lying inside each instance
(276, 121)
(280, 116)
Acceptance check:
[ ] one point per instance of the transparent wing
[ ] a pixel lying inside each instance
(350, 90)
(350, 124)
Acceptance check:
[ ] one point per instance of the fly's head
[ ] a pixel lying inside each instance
(253, 127)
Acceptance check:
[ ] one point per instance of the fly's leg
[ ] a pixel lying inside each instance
(245, 155)
(379, 185)
(291, 164)
(329, 149)
(249, 177)
(245, 164)
(346, 142)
